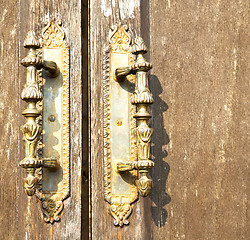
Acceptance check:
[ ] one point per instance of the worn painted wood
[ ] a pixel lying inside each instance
(9, 110)
(21, 218)
(199, 83)
(102, 16)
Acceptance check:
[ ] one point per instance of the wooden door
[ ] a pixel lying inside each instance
(198, 50)
(20, 216)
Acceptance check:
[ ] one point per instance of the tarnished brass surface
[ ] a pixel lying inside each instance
(46, 133)
(31, 130)
(143, 133)
(126, 146)
(52, 130)
(120, 189)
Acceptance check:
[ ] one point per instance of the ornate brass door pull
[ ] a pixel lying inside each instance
(46, 132)
(143, 133)
(31, 130)
(126, 144)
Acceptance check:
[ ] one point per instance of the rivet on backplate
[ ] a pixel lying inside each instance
(119, 122)
(52, 118)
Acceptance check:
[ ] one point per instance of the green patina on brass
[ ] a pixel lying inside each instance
(119, 97)
(46, 132)
(126, 146)
(120, 189)
(52, 130)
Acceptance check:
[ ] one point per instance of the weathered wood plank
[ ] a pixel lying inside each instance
(198, 51)
(103, 14)
(199, 85)
(22, 217)
(9, 123)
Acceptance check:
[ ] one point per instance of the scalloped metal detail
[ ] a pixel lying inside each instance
(119, 189)
(54, 187)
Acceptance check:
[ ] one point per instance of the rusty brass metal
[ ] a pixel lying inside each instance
(120, 189)
(143, 133)
(126, 146)
(46, 132)
(31, 130)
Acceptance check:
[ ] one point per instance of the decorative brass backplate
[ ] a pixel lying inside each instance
(55, 185)
(119, 144)
(52, 185)
(127, 135)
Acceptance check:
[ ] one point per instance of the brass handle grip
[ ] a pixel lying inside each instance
(31, 130)
(142, 98)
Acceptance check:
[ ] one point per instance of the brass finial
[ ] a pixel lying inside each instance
(139, 46)
(31, 41)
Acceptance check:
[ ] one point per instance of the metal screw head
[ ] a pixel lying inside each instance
(119, 122)
(52, 118)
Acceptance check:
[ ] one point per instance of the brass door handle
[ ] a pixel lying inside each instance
(143, 133)
(46, 131)
(127, 135)
(31, 130)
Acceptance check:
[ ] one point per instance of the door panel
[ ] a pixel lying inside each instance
(198, 82)
(198, 50)
(21, 217)
(102, 16)
(10, 137)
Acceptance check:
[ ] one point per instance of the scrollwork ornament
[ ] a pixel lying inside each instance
(120, 38)
(51, 210)
(120, 213)
(53, 34)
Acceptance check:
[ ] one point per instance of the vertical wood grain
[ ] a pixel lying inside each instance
(9, 123)
(199, 83)
(103, 14)
(21, 217)
(199, 80)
